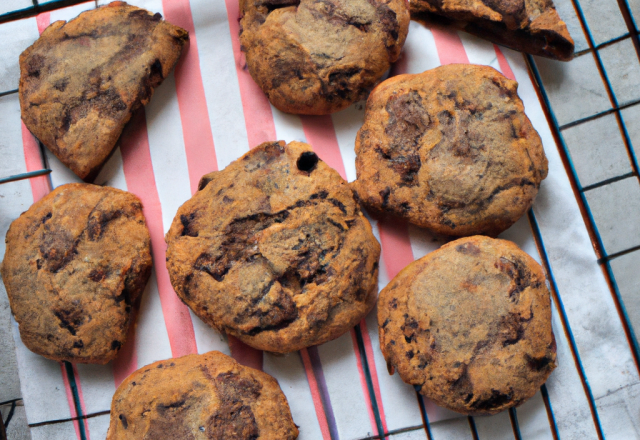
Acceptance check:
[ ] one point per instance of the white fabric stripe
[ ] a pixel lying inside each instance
(289, 371)
(112, 173)
(98, 426)
(98, 386)
(59, 431)
(348, 401)
(533, 420)
(588, 302)
(70, 12)
(347, 123)
(497, 427)
(417, 434)
(15, 37)
(288, 127)
(207, 338)
(423, 242)
(220, 81)
(419, 52)
(455, 429)
(41, 382)
(479, 51)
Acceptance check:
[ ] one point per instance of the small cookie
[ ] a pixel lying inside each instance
(532, 26)
(81, 80)
(316, 57)
(275, 250)
(75, 263)
(449, 149)
(208, 396)
(470, 325)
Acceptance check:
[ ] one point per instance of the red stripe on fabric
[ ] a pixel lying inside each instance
(255, 105)
(396, 245)
(40, 185)
(194, 114)
(244, 354)
(449, 46)
(81, 397)
(368, 348)
(504, 64)
(363, 382)
(138, 172)
(321, 135)
(315, 395)
(72, 406)
(127, 360)
(43, 21)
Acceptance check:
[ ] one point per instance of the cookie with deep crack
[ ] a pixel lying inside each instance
(208, 396)
(531, 26)
(275, 250)
(450, 149)
(470, 326)
(75, 263)
(316, 57)
(81, 80)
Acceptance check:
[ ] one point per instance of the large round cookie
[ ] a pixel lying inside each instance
(75, 263)
(470, 325)
(275, 250)
(195, 397)
(451, 150)
(81, 80)
(317, 57)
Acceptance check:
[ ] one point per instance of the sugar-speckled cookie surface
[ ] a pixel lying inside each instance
(450, 149)
(470, 325)
(275, 250)
(81, 80)
(317, 57)
(200, 397)
(532, 26)
(75, 263)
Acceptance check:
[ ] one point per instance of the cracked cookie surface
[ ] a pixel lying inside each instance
(81, 80)
(532, 26)
(318, 56)
(275, 250)
(470, 326)
(75, 263)
(200, 397)
(450, 149)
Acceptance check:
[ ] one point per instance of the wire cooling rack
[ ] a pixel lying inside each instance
(604, 258)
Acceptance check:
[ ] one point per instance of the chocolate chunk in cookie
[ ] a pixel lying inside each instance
(207, 396)
(316, 57)
(75, 263)
(275, 250)
(81, 80)
(470, 326)
(532, 26)
(450, 149)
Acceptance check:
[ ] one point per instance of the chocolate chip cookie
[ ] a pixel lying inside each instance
(208, 396)
(316, 57)
(75, 262)
(81, 80)
(470, 325)
(532, 26)
(275, 250)
(450, 149)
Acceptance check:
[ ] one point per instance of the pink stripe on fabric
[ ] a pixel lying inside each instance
(81, 397)
(368, 348)
(315, 394)
(321, 135)
(363, 383)
(449, 46)
(43, 21)
(194, 114)
(396, 245)
(244, 354)
(255, 105)
(40, 186)
(138, 172)
(72, 407)
(504, 64)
